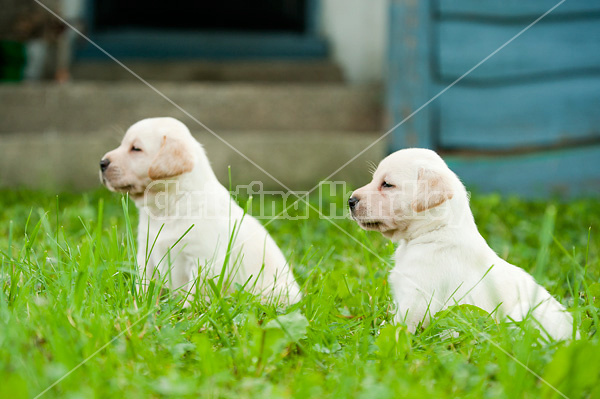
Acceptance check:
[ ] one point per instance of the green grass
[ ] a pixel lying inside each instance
(67, 293)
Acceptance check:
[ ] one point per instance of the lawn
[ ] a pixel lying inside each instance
(68, 295)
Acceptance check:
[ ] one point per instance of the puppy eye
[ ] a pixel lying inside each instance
(386, 185)
(134, 148)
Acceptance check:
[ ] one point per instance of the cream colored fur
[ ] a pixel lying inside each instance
(441, 259)
(166, 171)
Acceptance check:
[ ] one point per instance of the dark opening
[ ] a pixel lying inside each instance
(221, 15)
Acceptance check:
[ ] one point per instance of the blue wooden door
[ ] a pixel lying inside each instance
(525, 121)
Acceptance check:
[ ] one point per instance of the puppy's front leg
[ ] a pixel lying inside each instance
(177, 273)
(411, 305)
(408, 313)
(183, 275)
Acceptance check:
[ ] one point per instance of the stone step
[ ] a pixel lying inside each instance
(92, 106)
(271, 71)
(69, 160)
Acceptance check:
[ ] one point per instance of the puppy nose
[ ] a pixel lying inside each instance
(104, 164)
(352, 202)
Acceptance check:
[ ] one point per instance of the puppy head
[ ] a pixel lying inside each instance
(407, 187)
(152, 149)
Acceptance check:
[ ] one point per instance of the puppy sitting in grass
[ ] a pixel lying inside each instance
(416, 201)
(189, 227)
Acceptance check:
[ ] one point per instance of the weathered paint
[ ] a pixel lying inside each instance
(556, 48)
(511, 8)
(562, 173)
(408, 74)
(542, 113)
(541, 91)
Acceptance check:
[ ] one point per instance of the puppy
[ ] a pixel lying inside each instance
(166, 172)
(416, 201)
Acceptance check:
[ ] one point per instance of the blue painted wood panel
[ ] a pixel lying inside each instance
(513, 116)
(539, 97)
(548, 48)
(408, 74)
(563, 173)
(512, 8)
(149, 44)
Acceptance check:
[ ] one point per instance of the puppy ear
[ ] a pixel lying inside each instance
(433, 189)
(173, 159)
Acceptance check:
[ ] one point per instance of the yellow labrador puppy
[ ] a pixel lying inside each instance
(166, 172)
(416, 201)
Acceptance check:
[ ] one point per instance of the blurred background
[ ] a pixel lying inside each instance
(302, 86)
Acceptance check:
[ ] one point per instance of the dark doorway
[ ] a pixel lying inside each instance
(222, 15)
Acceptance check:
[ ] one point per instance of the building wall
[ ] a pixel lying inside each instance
(357, 33)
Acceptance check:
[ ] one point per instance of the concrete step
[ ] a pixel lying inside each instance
(59, 160)
(191, 70)
(87, 107)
